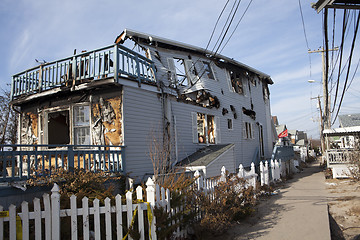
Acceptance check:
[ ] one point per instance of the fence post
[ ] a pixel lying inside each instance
(272, 167)
(262, 177)
(254, 175)
(241, 171)
(150, 197)
(55, 212)
(198, 180)
(266, 173)
(223, 174)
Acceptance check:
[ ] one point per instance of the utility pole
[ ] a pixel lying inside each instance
(322, 140)
(326, 119)
(326, 95)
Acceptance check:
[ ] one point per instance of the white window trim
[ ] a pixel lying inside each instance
(72, 128)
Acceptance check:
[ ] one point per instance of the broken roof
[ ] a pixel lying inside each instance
(206, 155)
(152, 39)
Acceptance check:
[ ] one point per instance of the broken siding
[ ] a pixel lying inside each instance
(107, 121)
(142, 115)
(29, 128)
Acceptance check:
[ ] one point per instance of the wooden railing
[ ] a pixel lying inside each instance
(20, 162)
(112, 61)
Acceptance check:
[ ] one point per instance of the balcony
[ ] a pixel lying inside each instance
(21, 162)
(115, 61)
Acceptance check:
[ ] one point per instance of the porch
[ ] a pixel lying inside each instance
(20, 162)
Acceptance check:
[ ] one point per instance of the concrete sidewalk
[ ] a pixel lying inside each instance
(298, 211)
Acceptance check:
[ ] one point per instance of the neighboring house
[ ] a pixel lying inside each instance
(172, 93)
(341, 143)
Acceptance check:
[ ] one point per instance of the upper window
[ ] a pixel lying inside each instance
(182, 72)
(236, 82)
(208, 71)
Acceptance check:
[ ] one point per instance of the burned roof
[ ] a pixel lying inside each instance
(206, 155)
(171, 44)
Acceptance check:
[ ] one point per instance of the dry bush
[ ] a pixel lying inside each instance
(355, 162)
(208, 214)
(230, 202)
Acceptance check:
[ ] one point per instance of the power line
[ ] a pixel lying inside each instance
(227, 29)
(236, 25)
(306, 39)
(349, 65)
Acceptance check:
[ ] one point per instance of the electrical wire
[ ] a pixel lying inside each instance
(306, 39)
(228, 26)
(236, 25)
(341, 54)
(349, 65)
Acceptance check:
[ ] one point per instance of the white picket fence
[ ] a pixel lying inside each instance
(47, 221)
(265, 170)
(45, 218)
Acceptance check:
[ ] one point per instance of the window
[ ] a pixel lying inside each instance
(205, 128)
(230, 124)
(58, 127)
(81, 125)
(182, 72)
(236, 82)
(208, 71)
(248, 131)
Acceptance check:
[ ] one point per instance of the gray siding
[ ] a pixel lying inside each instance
(226, 159)
(142, 115)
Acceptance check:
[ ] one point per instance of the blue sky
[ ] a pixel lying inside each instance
(270, 38)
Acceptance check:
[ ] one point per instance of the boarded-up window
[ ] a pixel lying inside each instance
(58, 127)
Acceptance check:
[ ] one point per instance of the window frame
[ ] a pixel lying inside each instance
(215, 132)
(208, 70)
(44, 130)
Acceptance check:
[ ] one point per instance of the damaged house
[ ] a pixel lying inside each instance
(127, 103)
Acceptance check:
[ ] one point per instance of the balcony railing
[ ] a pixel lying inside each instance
(112, 61)
(21, 162)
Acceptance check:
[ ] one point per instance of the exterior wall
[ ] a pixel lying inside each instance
(220, 87)
(143, 119)
(226, 159)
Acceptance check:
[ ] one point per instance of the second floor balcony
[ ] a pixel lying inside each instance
(114, 62)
